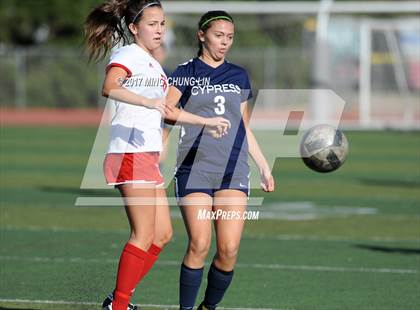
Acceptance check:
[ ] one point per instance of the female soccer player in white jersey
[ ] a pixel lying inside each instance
(137, 83)
(213, 174)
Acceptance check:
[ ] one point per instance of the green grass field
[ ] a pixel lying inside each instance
(346, 240)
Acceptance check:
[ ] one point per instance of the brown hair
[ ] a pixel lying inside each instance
(104, 27)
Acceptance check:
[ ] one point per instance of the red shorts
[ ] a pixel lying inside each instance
(132, 168)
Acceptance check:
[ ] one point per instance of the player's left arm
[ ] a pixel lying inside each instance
(267, 180)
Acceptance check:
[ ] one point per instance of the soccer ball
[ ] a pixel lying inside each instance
(324, 148)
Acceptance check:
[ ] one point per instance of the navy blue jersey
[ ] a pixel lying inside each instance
(212, 92)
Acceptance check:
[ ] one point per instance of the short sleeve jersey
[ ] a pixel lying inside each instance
(137, 128)
(212, 92)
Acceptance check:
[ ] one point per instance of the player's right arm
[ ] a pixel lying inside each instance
(176, 115)
(112, 88)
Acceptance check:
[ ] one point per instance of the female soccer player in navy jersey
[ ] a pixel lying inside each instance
(213, 174)
(138, 85)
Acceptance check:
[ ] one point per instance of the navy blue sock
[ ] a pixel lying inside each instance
(218, 282)
(189, 284)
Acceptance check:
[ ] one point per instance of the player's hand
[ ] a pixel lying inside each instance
(157, 104)
(220, 124)
(169, 109)
(267, 180)
(213, 132)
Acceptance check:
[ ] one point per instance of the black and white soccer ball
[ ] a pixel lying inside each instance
(324, 148)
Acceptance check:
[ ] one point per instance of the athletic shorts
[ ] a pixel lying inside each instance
(208, 182)
(132, 168)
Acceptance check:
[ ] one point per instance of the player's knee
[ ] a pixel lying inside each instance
(228, 251)
(199, 247)
(167, 237)
(142, 240)
(163, 238)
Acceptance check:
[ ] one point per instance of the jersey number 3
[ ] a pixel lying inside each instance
(220, 101)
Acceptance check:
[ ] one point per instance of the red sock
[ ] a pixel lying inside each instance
(130, 269)
(153, 254)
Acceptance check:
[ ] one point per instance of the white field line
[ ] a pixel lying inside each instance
(89, 303)
(280, 237)
(239, 265)
(287, 237)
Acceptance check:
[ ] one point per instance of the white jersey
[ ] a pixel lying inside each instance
(137, 128)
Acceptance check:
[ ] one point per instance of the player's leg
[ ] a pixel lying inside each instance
(163, 229)
(163, 225)
(199, 235)
(229, 231)
(141, 211)
(198, 229)
(228, 236)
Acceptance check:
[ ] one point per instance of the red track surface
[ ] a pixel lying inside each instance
(50, 117)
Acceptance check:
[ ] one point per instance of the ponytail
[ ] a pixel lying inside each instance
(104, 29)
(104, 26)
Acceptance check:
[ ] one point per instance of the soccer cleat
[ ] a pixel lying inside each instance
(202, 307)
(107, 304)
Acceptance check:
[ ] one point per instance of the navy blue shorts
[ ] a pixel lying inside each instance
(187, 182)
